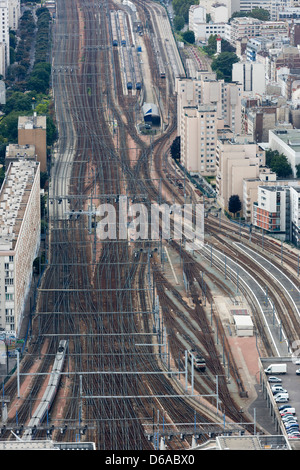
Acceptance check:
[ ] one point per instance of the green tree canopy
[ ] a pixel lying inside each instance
(258, 13)
(178, 23)
(181, 8)
(189, 36)
(223, 63)
(211, 47)
(175, 148)
(278, 163)
(234, 204)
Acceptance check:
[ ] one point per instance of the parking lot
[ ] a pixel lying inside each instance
(290, 381)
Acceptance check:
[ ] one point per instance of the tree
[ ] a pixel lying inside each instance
(234, 204)
(175, 148)
(189, 36)
(297, 170)
(222, 65)
(278, 163)
(211, 47)
(178, 23)
(260, 14)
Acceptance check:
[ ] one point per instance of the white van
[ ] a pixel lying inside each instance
(288, 411)
(281, 395)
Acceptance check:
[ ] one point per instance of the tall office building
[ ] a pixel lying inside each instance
(251, 76)
(14, 13)
(4, 31)
(19, 238)
(32, 131)
(198, 135)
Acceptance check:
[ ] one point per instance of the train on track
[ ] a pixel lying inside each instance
(128, 56)
(122, 28)
(50, 392)
(127, 68)
(159, 59)
(115, 39)
(199, 361)
(137, 71)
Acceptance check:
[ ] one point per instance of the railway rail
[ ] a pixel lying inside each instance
(97, 294)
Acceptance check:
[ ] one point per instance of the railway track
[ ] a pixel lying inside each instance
(93, 293)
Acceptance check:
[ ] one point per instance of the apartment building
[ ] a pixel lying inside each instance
(251, 76)
(32, 131)
(198, 135)
(287, 142)
(232, 5)
(295, 215)
(250, 189)
(14, 13)
(272, 6)
(243, 27)
(19, 238)
(271, 211)
(4, 34)
(16, 152)
(219, 12)
(206, 89)
(197, 14)
(237, 158)
(252, 27)
(288, 57)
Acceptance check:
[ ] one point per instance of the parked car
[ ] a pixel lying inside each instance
(292, 427)
(290, 424)
(294, 434)
(298, 371)
(284, 407)
(281, 400)
(282, 395)
(289, 419)
(277, 388)
(273, 379)
(287, 413)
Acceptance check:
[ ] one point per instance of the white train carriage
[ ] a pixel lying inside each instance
(50, 391)
(122, 28)
(159, 59)
(115, 41)
(128, 69)
(197, 359)
(137, 69)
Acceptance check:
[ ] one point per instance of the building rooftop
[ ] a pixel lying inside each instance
(291, 137)
(32, 122)
(17, 151)
(14, 196)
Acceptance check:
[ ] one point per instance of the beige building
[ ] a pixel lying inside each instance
(237, 158)
(205, 105)
(198, 136)
(16, 152)
(19, 238)
(250, 189)
(207, 90)
(32, 131)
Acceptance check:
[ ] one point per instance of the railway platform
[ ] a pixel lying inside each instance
(245, 350)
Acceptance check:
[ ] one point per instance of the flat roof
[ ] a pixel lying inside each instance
(14, 196)
(291, 137)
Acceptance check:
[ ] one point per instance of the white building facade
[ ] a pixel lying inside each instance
(4, 34)
(287, 142)
(14, 13)
(295, 215)
(251, 76)
(198, 136)
(19, 238)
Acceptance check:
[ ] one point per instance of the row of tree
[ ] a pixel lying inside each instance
(28, 90)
